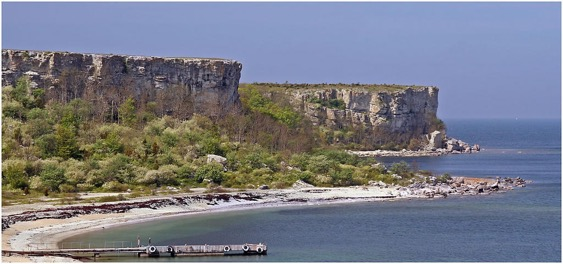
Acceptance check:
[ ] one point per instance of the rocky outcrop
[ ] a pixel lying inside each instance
(179, 86)
(460, 186)
(435, 147)
(456, 146)
(401, 112)
(435, 140)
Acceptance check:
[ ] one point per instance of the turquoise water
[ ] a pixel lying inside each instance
(521, 225)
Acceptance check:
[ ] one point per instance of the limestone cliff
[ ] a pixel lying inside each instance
(385, 112)
(178, 86)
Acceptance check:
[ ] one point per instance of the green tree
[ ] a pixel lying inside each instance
(38, 122)
(47, 145)
(14, 174)
(402, 168)
(109, 145)
(118, 168)
(320, 164)
(52, 176)
(212, 172)
(67, 146)
(127, 113)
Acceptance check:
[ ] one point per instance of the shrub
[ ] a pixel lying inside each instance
(14, 174)
(185, 172)
(159, 178)
(212, 172)
(444, 178)
(343, 177)
(115, 186)
(402, 168)
(320, 164)
(52, 176)
(300, 161)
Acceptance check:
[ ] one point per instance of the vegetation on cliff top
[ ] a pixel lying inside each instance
(54, 148)
(325, 86)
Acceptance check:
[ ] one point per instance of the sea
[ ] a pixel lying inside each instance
(523, 225)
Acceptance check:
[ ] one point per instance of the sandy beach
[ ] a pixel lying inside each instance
(47, 232)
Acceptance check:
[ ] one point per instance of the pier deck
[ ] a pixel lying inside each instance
(152, 250)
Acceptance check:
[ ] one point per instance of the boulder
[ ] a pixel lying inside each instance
(377, 184)
(216, 158)
(435, 140)
(301, 184)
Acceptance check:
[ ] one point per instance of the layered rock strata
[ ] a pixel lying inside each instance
(179, 86)
(401, 113)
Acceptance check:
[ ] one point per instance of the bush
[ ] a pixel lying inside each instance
(117, 168)
(159, 178)
(52, 176)
(444, 178)
(185, 172)
(115, 186)
(47, 145)
(14, 174)
(212, 172)
(343, 177)
(300, 161)
(402, 168)
(320, 164)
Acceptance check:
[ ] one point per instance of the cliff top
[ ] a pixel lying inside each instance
(324, 86)
(31, 52)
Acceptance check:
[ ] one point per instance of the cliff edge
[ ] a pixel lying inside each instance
(179, 86)
(374, 114)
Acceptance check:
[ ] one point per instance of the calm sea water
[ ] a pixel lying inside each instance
(521, 225)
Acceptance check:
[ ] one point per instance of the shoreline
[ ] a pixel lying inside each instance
(47, 232)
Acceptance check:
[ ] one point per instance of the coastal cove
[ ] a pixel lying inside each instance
(520, 225)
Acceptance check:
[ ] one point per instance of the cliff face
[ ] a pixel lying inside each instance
(398, 114)
(178, 86)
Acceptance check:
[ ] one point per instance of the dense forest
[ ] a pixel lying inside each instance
(56, 148)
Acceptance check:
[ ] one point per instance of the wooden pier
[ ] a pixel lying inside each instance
(150, 251)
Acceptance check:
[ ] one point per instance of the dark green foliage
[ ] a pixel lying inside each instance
(402, 169)
(39, 122)
(127, 115)
(320, 164)
(342, 177)
(300, 161)
(66, 144)
(186, 172)
(17, 101)
(444, 178)
(212, 172)
(14, 110)
(118, 168)
(257, 102)
(332, 103)
(52, 176)
(14, 174)
(210, 144)
(109, 145)
(438, 124)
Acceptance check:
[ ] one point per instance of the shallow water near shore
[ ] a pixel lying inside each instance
(520, 225)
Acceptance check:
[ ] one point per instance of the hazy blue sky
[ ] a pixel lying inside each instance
(488, 59)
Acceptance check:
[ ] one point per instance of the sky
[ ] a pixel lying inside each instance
(490, 60)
